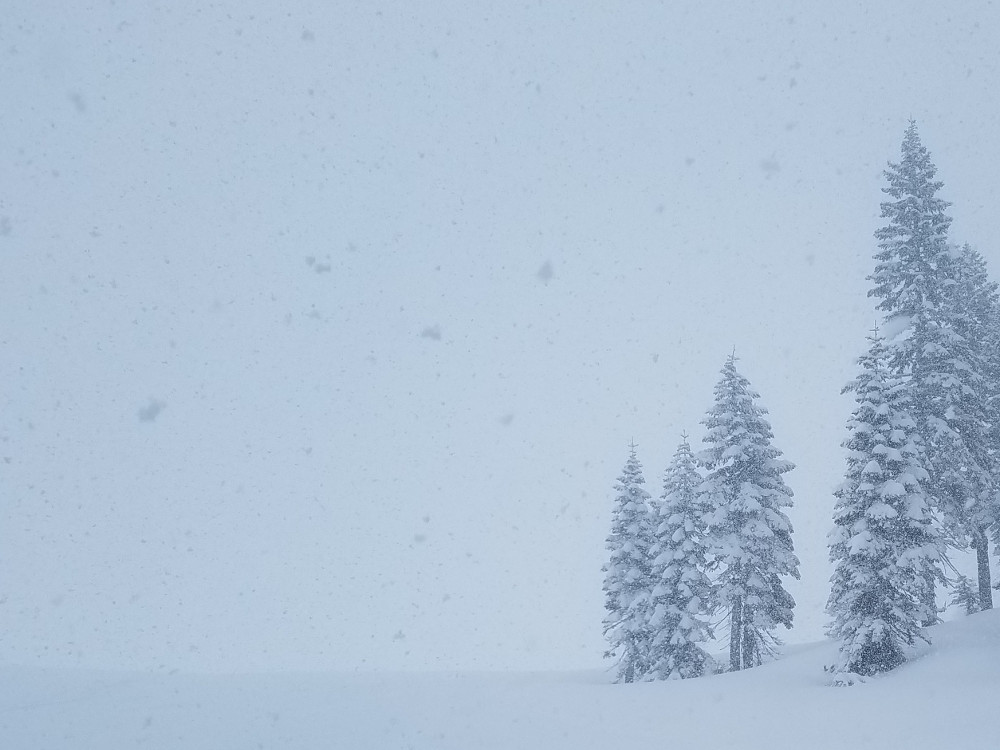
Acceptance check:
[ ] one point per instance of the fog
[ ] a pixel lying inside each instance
(326, 326)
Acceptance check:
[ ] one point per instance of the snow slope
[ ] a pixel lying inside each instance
(781, 705)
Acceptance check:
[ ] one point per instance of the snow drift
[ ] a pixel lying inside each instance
(939, 699)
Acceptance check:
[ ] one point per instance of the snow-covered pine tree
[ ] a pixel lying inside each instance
(993, 377)
(976, 298)
(682, 592)
(627, 574)
(883, 546)
(748, 533)
(927, 328)
(965, 595)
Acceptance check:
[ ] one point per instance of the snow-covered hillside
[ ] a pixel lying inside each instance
(786, 704)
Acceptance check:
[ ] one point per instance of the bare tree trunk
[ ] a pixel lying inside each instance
(736, 635)
(751, 658)
(929, 597)
(982, 546)
(630, 657)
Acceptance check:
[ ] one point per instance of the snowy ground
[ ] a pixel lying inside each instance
(937, 700)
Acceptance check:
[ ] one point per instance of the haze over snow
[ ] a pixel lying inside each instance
(326, 328)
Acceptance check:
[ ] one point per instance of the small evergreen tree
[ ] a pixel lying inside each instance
(748, 533)
(883, 545)
(627, 579)
(682, 593)
(965, 595)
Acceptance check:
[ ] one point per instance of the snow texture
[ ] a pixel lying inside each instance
(788, 703)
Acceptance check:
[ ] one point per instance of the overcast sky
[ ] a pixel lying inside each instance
(326, 325)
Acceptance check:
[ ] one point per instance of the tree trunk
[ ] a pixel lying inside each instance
(929, 598)
(736, 635)
(631, 656)
(751, 657)
(982, 546)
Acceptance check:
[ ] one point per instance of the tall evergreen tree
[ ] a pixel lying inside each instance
(627, 579)
(977, 301)
(747, 530)
(918, 281)
(682, 592)
(883, 546)
(993, 377)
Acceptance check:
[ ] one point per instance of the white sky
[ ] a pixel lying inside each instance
(284, 381)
